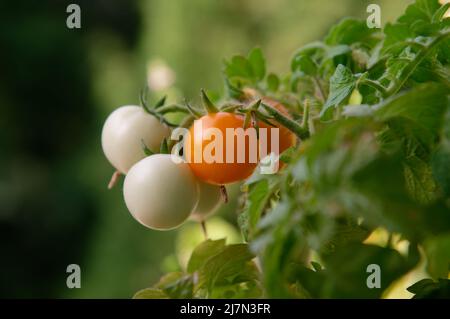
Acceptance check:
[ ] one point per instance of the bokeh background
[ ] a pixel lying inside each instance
(57, 85)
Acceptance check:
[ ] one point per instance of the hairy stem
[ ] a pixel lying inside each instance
(377, 86)
(291, 125)
(172, 109)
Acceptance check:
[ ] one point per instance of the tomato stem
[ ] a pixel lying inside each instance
(320, 89)
(291, 125)
(143, 98)
(224, 193)
(172, 108)
(197, 114)
(114, 178)
(230, 108)
(305, 119)
(205, 232)
(376, 85)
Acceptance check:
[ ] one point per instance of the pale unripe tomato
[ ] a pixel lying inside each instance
(210, 198)
(160, 193)
(123, 133)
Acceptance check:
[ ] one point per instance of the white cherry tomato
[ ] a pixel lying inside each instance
(160, 193)
(124, 132)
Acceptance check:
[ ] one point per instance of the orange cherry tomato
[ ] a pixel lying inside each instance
(235, 162)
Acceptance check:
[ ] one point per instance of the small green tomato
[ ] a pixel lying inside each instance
(160, 191)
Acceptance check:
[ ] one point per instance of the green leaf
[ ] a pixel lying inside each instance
(420, 10)
(350, 31)
(337, 50)
(239, 67)
(347, 269)
(305, 64)
(273, 82)
(176, 285)
(395, 36)
(428, 289)
(440, 165)
(342, 84)
(420, 19)
(231, 265)
(258, 64)
(344, 233)
(420, 109)
(345, 274)
(439, 14)
(316, 266)
(181, 289)
(440, 160)
(258, 197)
(150, 293)
(232, 90)
(437, 250)
(419, 180)
(310, 49)
(288, 154)
(202, 252)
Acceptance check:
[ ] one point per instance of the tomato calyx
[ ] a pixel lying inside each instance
(207, 104)
(160, 103)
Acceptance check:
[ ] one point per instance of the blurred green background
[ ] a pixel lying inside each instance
(57, 85)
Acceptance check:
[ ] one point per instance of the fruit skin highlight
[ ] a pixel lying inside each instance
(124, 132)
(160, 193)
(218, 173)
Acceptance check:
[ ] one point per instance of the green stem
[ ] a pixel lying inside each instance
(320, 88)
(230, 108)
(291, 125)
(143, 98)
(376, 85)
(196, 113)
(187, 121)
(305, 119)
(409, 69)
(173, 108)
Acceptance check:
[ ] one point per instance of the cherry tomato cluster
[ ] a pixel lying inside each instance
(163, 190)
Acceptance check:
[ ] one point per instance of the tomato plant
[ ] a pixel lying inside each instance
(364, 118)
